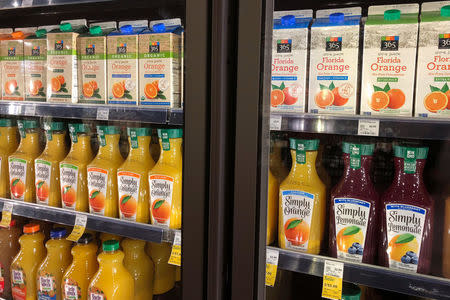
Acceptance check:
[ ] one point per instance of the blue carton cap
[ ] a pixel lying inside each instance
(159, 27)
(288, 20)
(58, 233)
(126, 29)
(337, 18)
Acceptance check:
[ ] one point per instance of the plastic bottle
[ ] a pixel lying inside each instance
(272, 209)
(9, 246)
(446, 238)
(8, 144)
(164, 274)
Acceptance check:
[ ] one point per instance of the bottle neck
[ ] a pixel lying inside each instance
(82, 148)
(134, 252)
(56, 144)
(30, 143)
(8, 138)
(412, 179)
(143, 149)
(173, 156)
(361, 174)
(305, 172)
(110, 150)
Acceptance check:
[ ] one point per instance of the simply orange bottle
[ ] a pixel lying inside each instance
(132, 177)
(46, 166)
(166, 180)
(8, 144)
(75, 281)
(164, 274)
(25, 265)
(102, 173)
(140, 267)
(21, 162)
(112, 280)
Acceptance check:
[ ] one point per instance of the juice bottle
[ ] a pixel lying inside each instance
(276, 162)
(164, 276)
(155, 148)
(112, 280)
(433, 75)
(389, 60)
(406, 218)
(132, 177)
(302, 207)
(166, 180)
(21, 162)
(159, 64)
(102, 173)
(46, 165)
(9, 246)
(25, 265)
(73, 169)
(289, 60)
(51, 270)
(354, 207)
(8, 144)
(76, 278)
(272, 209)
(446, 239)
(333, 68)
(140, 267)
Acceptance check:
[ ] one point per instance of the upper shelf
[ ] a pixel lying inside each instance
(8, 4)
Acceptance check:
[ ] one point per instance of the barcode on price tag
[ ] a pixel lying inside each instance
(271, 266)
(78, 228)
(30, 110)
(103, 114)
(333, 272)
(275, 122)
(6, 214)
(369, 127)
(175, 256)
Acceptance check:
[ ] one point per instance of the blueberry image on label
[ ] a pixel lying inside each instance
(406, 259)
(352, 250)
(415, 260)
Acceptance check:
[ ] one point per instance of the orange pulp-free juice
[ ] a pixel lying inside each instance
(8, 144)
(164, 276)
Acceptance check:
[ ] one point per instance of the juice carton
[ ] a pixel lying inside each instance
(62, 61)
(11, 52)
(333, 68)
(289, 60)
(35, 58)
(122, 55)
(389, 61)
(92, 60)
(5, 33)
(159, 64)
(433, 69)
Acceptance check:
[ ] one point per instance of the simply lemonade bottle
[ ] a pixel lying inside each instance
(301, 221)
(164, 276)
(102, 173)
(8, 144)
(73, 169)
(166, 180)
(25, 265)
(21, 162)
(46, 166)
(75, 281)
(132, 177)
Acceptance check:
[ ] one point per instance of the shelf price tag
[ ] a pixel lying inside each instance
(275, 122)
(78, 228)
(6, 214)
(27, 3)
(175, 256)
(271, 266)
(30, 110)
(103, 114)
(369, 127)
(333, 272)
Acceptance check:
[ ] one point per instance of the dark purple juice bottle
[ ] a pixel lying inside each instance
(353, 209)
(407, 214)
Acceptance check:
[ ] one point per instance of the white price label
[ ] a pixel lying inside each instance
(103, 114)
(6, 214)
(333, 272)
(271, 266)
(26, 3)
(369, 127)
(78, 228)
(30, 110)
(175, 256)
(275, 122)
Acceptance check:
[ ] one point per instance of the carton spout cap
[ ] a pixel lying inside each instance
(17, 34)
(66, 27)
(337, 18)
(288, 20)
(159, 27)
(41, 32)
(95, 30)
(392, 15)
(126, 29)
(445, 11)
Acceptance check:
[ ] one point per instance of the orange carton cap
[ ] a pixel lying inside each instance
(17, 34)
(31, 228)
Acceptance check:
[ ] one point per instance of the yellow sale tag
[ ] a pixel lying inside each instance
(271, 266)
(175, 256)
(6, 214)
(78, 228)
(333, 272)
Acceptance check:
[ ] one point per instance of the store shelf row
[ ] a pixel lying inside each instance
(368, 275)
(9, 4)
(62, 216)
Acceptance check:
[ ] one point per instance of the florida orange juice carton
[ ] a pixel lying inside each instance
(62, 61)
(433, 65)
(159, 64)
(122, 55)
(92, 63)
(389, 60)
(289, 60)
(5, 33)
(333, 68)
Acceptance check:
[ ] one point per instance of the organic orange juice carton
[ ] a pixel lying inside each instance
(433, 65)
(289, 60)
(5, 33)
(334, 54)
(35, 58)
(92, 63)
(122, 55)
(11, 52)
(62, 61)
(389, 60)
(159, 64)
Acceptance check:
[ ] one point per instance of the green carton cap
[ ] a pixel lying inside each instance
(95, 30)
(170, 133)
(305, 145)
(445, 11)
(7, 122)
(27, 124)
(392, 15)
(41, 32)
(410, 152)
(65, 27)
(364, 149)
(108, 129)
(110, 245)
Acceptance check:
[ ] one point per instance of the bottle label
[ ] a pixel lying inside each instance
(404, 229)
(351, 217)
(161, 189)
(43, 173)
(18, 177)
(96, 294)
(128, 194)
(71, 290)
(18, 284)
(97, 185)
(47, 286)
(69, 180)
(297, 213)
(2, 279)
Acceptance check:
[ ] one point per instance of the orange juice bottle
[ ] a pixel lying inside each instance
(102, 173)
(166, 181)
(272, 209)
(112, 280)
(8, 144)
(302, 208)
(51, 270)
(73, 169)
(446, 239)
(21, 162)
(140, 267)
(132, 177)
(76, 279)
(9, 246)
(25, 265)
(46, 166)
(164, 273)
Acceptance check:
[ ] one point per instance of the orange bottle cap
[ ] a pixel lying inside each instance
(17, 34)
(31, 228)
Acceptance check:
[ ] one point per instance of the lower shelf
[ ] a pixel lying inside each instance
(368, 275)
